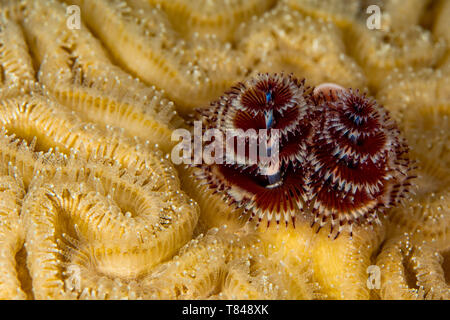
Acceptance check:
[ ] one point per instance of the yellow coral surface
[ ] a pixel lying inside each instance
(91, 206)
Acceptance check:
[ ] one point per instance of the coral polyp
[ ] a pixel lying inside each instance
(341, 158)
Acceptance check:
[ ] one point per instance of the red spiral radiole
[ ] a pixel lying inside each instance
(360, 165)
(342, 160)
(278, 104)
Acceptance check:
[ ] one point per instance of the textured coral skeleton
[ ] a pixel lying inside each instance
(92, 208)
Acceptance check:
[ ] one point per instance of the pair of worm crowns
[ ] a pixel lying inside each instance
(340, 158)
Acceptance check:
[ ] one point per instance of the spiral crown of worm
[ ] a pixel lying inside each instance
(342, 159)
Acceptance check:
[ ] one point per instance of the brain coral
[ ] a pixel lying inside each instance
(91, 206)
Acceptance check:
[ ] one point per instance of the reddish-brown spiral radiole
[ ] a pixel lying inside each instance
(278, 104)
(360, 165)
(342, 159)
